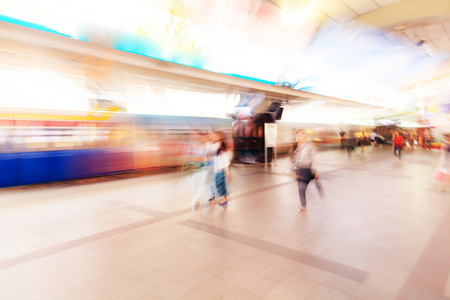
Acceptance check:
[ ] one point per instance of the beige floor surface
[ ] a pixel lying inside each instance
(381, 231)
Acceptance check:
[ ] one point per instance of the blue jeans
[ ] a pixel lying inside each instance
(399, 152)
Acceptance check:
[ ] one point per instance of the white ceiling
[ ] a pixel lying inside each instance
(407, 18)
(116, 74)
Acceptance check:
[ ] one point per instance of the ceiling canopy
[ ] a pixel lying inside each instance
(387, 54)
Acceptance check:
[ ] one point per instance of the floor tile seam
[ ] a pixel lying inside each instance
(235, 197)
(55, 249)
(324, 264)
(146, 211)
(415, 271)
(232, 198)
(263, 189)
(28, 257)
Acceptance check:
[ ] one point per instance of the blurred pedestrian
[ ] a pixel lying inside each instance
(412, 139)
(398, 141)
(372, 136)
(362, 140)
(350, 143)
(427, 139)
(405, 135)
(342, 137)
(442, 173)
(221, 170)
(303, 166)
(194, 166)
(379, 140)
(211, 150)
(293, 144)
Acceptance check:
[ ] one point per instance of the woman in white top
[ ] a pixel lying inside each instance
(220, 168)
(303, 166)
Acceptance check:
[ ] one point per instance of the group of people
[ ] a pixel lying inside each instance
(442, 172)
(207, 163)
(208, 159)
(350, 141)
(303, 160)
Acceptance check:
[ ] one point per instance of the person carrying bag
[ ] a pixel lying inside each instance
(302, 166)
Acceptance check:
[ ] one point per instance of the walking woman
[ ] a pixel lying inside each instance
(442, 173)
(398, 145)
(221, 164)
(303, 166)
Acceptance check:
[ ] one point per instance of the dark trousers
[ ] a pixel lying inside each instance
(302, 192)
(399, 152)
(350, 150)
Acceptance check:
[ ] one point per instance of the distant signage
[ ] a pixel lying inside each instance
(270, 134)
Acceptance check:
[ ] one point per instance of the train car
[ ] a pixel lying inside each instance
(46, 146)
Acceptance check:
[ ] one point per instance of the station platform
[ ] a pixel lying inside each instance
(380, 231)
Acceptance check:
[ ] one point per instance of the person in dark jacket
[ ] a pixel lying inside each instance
(350, 143)
(342, 138)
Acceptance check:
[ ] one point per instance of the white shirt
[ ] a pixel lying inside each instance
(221, 161)
(304, 155)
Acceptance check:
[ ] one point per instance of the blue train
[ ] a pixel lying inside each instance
(53, 146)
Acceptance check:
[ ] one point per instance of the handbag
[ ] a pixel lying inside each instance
(305, 174)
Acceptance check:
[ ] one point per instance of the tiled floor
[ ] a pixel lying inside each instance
(381, 231)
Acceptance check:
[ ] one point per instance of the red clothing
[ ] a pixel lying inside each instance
(398, 141)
